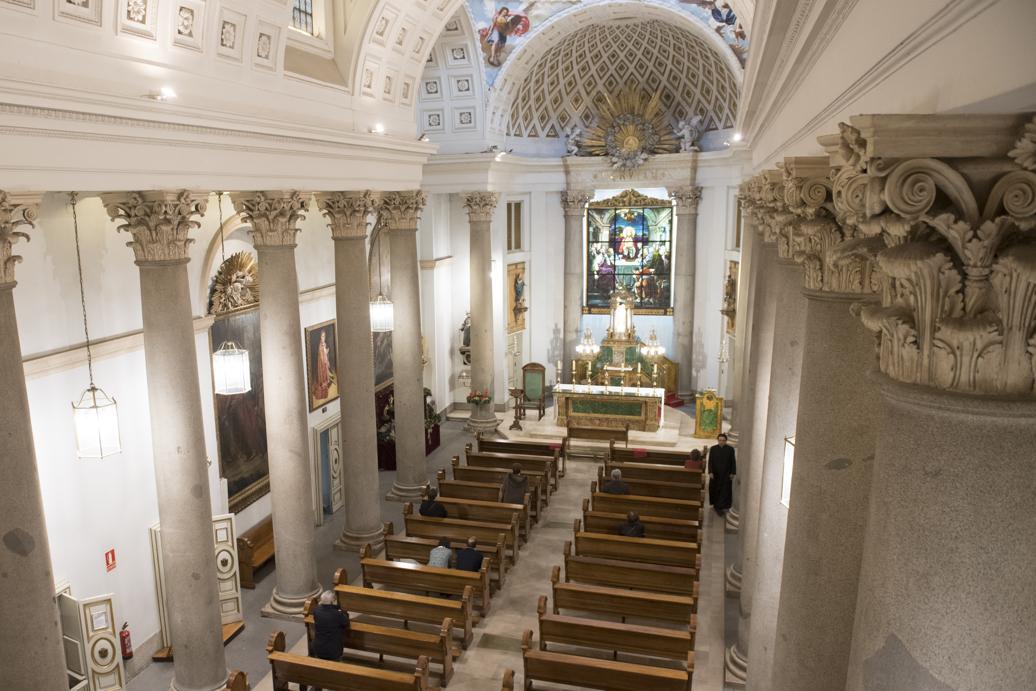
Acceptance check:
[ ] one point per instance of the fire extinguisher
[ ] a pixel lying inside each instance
(125, 642)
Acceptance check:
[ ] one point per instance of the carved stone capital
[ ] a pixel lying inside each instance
(274, 216)
(15, 211)
(158, 221)
(347, 212)
(1024, 151)
(401, 211)
(480, 206)
(574, 202)
(686, 198)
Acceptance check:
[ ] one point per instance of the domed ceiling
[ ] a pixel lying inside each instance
(568, 82)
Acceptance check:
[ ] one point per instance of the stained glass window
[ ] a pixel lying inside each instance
(629, 244)
(302, 15)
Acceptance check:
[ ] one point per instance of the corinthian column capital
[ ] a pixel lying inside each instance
(686, 198)
(158, 221)
(480, 206)
(347, 212)
(274, 216)
(401, 211)
(16, 210)
(574, 201)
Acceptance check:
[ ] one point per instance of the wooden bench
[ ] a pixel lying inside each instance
(338, 676)
(544, 464)
(398, 547)
(622, 602)
(616, 573)
(489, 511)
(639, 549)
(388, 640)
(610, 435)
(458, 529)
(538, 481)
(523, 448)
(508, 681)
(638, 455)
(671, 644)
(645, 506)
(237, 681)
(254, 548)
(406, 607)
(595, 673)
(655, 471)
(431, 579)
(654, 526)
(482, 491)
(655, 488)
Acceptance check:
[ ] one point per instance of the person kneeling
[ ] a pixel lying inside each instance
(331, 629)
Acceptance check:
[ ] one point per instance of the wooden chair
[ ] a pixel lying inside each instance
(534, 388)
(254, 548)
(338, 676)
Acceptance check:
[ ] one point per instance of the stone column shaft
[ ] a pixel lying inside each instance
(403, 210)
(31, 652)
(574, 204)
(480, 206)
(687, 199)
(159, 223)
(347, 218)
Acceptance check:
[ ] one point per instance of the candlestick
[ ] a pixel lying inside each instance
(557, 372)
(574, 372)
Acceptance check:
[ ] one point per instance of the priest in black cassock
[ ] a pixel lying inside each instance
(722, 468)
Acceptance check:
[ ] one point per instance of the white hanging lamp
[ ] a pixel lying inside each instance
(96, 415)
(383, 317)
(231, 371)
(652, 349)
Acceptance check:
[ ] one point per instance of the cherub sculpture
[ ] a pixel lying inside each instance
(689, 132)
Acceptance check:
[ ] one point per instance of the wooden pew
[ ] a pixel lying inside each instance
(508, 682)
(594, 673)
(654, 526)
(544, 464)
(489, 512)
(399, 547)
(406, 607)
(338, 676)
(672, 644)
(388, 640)
(432, 579)
(655, 471)
(655, 488)
(254, 548)
(237, 681)
(575, 433)
(458, 529)
(645, 506)
(538, 481)
(481, 491)
(639, 549)
(616, 573)
(636, 455)
(622, 602)
(523, 448)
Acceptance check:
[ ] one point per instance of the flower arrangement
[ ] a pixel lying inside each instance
(480, 397)
(387, 430)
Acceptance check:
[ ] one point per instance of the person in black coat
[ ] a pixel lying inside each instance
(632, 527)
(331, 626)
(469, 558)
(722, 468)
(616, 485)
(430, 507)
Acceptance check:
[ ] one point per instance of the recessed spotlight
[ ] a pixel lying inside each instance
(423, 138)
(166, 93)
(738, 137)
(378, 129)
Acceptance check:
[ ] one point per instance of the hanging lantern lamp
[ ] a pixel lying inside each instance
(382, 311)
(231, 371)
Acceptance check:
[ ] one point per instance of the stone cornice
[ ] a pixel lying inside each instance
(158, 222)
(274, 216)
(15, 211)
(347, 212)
(480, 206)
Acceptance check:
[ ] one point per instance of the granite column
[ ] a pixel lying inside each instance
(480, 206)
(686, 241)
(574, 203)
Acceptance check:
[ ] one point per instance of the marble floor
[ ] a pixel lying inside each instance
(497, 642)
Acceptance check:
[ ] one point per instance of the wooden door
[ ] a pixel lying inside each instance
(334, 460)
(72, 641)
(224, 537)
(101, 640)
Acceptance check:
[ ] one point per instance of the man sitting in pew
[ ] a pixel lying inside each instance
(469, 558)
(430, 507)
(441, 554)
(516, 485)
(632, 527)
(331, 627)
(615, 485)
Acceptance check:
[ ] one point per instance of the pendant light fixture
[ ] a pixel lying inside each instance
(231, 372)
(382, 311)
(95, 416)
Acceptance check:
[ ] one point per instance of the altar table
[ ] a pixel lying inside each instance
(610, 407)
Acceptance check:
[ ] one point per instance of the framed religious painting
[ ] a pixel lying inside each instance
(321, 364)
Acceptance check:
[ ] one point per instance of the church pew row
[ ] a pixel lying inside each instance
(616, 573)
(237, 681)
(538, 481)
(310, 671)
(554, 450)
(637, 549)
(655, 471)
(655, 488)
(623, 602)
(431, 579)
(594, 673)
(489, 511)
(388, 640)
(645, 506)
(650, 641)
(654, 527)
(638, 455)
(399, 547)
(543, 464)
(458, 529)
(481, 491)
(407, 607)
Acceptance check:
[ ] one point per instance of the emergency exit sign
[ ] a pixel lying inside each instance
(109, 559)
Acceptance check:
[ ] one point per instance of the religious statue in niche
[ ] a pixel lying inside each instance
(465, 340)
(629, 129)
(516, 297)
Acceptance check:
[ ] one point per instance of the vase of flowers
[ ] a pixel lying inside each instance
(480, 398)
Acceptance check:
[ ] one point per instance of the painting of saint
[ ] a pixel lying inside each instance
(321, 364)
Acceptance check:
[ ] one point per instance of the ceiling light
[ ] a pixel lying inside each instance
(738, 137)
(378, 129)
(423, 138)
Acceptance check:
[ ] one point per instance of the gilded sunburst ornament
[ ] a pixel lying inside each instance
(235, 285)
(629, 129)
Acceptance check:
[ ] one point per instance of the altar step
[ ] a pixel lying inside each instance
(674, 401)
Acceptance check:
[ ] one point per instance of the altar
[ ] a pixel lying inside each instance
(610, 407)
